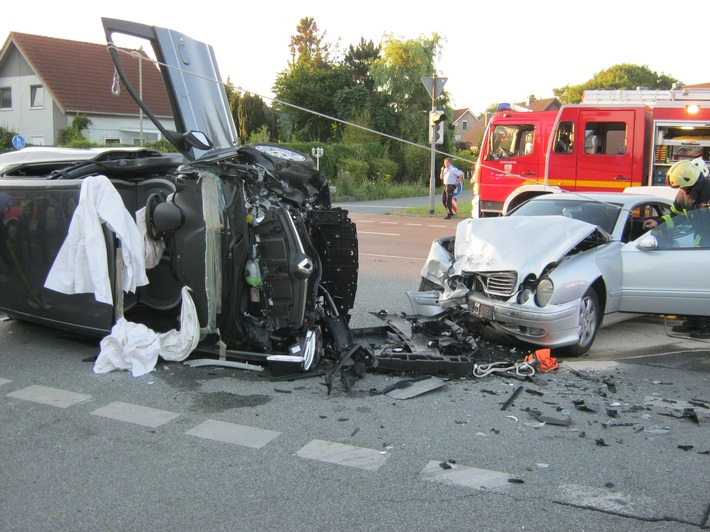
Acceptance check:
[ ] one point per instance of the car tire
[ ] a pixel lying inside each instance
(589, 318)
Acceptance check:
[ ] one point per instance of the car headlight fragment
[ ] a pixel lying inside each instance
(544, 291)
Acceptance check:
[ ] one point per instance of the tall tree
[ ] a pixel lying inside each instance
(623, 76)
(398, 73)
(308, 46)
(253, 115)
(311, 82)
(358, 60)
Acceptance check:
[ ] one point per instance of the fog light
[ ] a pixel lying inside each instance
(525, 295)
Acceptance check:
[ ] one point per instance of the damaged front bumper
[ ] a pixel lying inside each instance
(551, 326)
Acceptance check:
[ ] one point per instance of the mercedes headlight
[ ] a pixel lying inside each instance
(543, 294)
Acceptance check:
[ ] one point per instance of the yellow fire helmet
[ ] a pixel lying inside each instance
(685, 173)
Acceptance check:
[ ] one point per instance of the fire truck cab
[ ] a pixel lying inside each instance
(611, 141)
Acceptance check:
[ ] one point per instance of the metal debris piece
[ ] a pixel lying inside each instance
(533, 392)
(445, 465)
(512, 398)
(685, 447)
(689, 413)
(562, 422)
(516, 481)
(200, 362)
(407, 389)
(584, 406)
(657, 431)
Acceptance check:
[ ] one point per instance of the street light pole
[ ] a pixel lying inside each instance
(317, 153)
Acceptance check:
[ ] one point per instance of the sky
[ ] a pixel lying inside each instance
(492, 52)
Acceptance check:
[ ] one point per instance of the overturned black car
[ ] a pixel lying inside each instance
(250, 230)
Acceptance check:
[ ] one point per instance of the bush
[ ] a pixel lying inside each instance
(383, 169)
(6, 139)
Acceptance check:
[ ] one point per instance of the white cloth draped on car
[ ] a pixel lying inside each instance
(81, 265)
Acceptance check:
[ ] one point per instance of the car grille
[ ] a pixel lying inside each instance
(498, 283)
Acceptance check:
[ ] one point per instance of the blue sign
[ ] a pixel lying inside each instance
(458, 190)
(18, 142)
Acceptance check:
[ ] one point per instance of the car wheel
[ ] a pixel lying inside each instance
(589, 317)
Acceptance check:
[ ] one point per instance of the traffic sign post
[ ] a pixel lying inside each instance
(434, 87)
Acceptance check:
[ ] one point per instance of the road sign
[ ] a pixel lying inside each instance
(18, 142)
(434, 86)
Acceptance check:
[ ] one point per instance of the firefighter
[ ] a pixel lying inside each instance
(693, 202)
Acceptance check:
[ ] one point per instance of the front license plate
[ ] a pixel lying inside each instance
(483, 311)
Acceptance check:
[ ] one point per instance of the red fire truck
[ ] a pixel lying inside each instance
(613, 140)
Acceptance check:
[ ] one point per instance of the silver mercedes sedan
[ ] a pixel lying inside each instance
(561, 266)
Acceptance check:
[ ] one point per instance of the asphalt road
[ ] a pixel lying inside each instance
(624, 444)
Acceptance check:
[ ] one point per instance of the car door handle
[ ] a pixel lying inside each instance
(621, 178)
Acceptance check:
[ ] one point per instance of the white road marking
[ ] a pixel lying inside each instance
(469, 477)
(49, 396)
(243, 435)
(391, 257)
(4, 381)
(606, 500)
(340, 454)
(140, 415)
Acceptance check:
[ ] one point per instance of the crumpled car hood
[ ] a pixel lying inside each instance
(525, 244)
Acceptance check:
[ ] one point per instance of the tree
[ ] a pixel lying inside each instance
(623, 76)
(6, 139)
(398, 72)
(77, 131)
(252, 114)
(308, 45)
(311, 82)
(358, 60)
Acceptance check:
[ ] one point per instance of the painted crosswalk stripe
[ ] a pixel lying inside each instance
(4, 381)
(140, 415)
(460, 475)
(347, 455)
(49, 396)
(243, 435)
(606, 500)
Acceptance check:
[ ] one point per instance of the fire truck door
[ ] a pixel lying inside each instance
(604, 150)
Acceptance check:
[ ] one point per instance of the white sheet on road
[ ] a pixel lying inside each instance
(135, 347)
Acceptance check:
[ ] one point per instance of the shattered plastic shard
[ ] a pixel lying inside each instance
(657, 431)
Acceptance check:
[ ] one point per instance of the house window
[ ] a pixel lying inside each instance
(464, 125)
(37, 96)
(5, 98)
(112, 141)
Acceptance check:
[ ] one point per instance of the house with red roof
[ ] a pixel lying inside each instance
(46, 82)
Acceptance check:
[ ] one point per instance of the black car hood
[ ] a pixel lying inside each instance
(193, 84)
